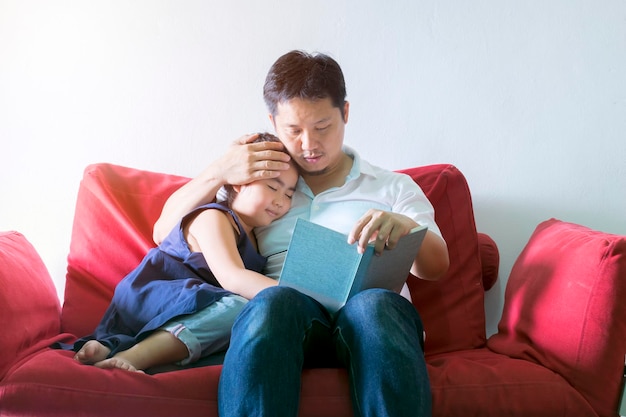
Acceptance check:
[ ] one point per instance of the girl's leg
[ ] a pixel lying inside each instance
(207, 331)
(182, 340)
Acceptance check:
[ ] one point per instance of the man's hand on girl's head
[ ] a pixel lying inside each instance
(245, 161)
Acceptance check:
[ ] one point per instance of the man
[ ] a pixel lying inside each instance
(377, 335)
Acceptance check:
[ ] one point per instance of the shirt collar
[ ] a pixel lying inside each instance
(359, 166)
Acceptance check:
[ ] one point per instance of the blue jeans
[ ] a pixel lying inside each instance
(377, 336)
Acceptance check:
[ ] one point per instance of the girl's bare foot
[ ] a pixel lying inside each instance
(117, 362)
(160, 348)
(92, 352)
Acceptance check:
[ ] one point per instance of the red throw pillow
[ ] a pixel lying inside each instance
(565, 309)
(29, 305)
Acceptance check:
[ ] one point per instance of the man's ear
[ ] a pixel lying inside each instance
(271, 117)
(237, 188)
(346, 111)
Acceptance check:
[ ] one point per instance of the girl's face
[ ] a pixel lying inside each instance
(263, 201)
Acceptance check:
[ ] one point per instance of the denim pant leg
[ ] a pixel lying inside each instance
(208, 330)
(263, 365)
(380, 339)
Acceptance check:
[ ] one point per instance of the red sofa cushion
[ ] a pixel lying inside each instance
(479, 382)
(64, 387)
(115, 212)
(565, 309)
(24, 284)
(452, 307)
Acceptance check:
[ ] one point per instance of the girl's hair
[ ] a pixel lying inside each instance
(230, 191)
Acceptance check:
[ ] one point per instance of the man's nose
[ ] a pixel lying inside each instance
(307, 140)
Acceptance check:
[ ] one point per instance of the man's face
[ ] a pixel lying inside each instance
(312, 132)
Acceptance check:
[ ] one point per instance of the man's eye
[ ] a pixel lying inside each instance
(322, 128)
(271, 187)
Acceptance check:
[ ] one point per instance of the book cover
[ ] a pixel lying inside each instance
(321, 264)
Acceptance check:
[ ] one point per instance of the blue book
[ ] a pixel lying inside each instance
(321, 264)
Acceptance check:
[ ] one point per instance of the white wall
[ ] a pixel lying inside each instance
(527, 98)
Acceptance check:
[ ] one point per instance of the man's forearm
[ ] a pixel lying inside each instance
(432, 259)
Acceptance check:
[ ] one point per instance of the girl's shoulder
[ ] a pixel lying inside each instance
(214, 215)
(212, 207)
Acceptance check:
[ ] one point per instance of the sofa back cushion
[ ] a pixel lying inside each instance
(453, 307)
(115, 212)
(565, 309)
(117, 208)
(29, 306)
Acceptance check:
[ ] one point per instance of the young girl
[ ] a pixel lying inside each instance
(208, 264)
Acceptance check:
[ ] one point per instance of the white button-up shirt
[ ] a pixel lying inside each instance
(339, 208)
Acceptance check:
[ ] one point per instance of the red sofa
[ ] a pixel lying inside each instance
(559, 350)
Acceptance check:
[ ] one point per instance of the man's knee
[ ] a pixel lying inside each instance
(376, 307)
(377, 300)
(275, 299)
(269, 307)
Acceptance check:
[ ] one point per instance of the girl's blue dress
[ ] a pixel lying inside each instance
(170, 281)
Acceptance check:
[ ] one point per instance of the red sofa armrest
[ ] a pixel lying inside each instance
(29, 306)
(489, 260)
